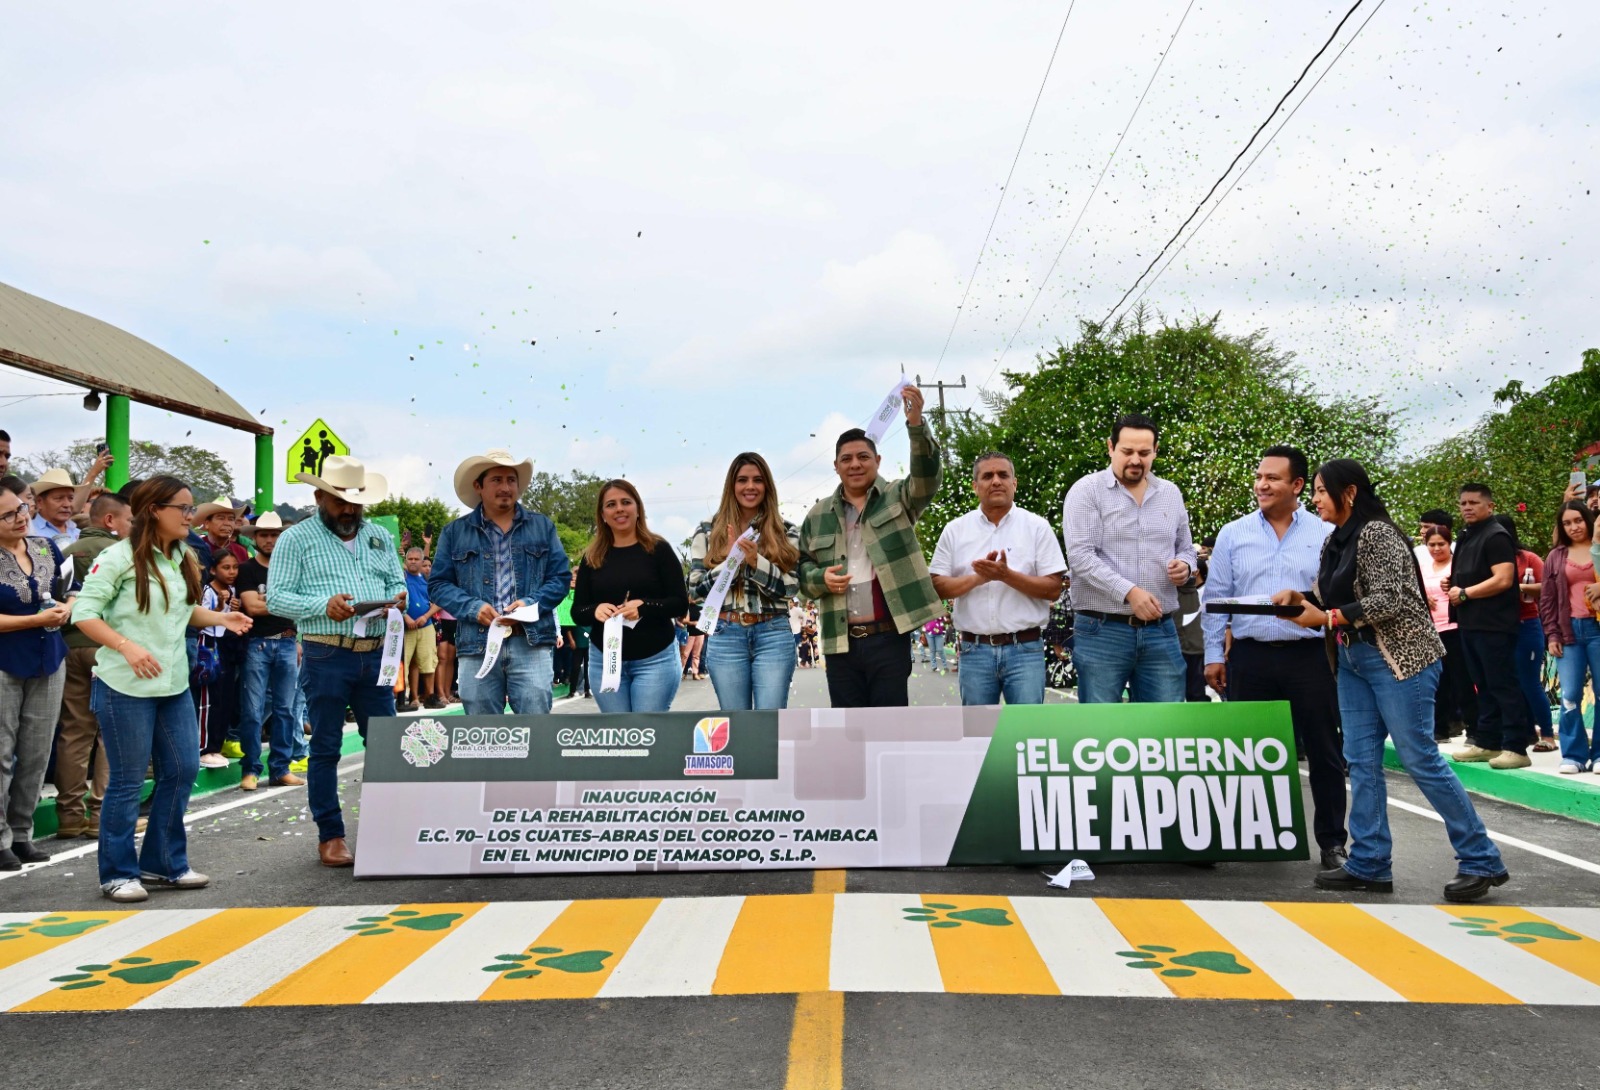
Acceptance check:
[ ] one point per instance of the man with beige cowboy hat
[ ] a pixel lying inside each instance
(219, 520)
(320, 568)
(55, 500)
(270, 678)
(495, 559)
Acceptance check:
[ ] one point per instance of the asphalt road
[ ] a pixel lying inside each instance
(262, 853)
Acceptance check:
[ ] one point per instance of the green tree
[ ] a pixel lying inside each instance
(420, 518)
(569, 502)
(205, 472)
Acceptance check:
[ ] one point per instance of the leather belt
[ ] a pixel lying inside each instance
(1027, 635)
(874, 628)
(733, 617)
(345, 643)
(286, 634)
(1124, 618)
(1348, 634)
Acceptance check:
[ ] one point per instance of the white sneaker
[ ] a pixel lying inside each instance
(213, 760)
(1570, 768)
(127, 891)
(189, 879)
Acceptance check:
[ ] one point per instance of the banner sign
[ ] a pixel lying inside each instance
(824, 788)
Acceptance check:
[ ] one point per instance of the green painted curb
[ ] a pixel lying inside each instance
(1566, 797)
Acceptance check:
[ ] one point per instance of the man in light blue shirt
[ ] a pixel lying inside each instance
(1279, 546)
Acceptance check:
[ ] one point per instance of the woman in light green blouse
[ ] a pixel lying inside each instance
(136, 602)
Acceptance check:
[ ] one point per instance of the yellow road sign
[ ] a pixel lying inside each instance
(308, 453)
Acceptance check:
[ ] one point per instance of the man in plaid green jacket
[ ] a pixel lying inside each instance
(860, 559)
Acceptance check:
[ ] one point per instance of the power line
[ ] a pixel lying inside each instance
(1240, 177)
(1235, 162)
(1004, 189)
(1096, 189)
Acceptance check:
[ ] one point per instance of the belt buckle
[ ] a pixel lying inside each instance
(857, 631)
(1343, 637)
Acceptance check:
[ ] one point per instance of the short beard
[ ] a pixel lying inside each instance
(343, 526)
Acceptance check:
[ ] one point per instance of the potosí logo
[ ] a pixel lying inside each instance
(490, 741)
(606, 741)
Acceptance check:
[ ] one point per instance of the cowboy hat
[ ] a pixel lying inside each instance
(268, 521)
(51, 480)
(479, 464)
(348, 479)
(206, 510)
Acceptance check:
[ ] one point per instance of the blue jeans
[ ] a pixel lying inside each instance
(137, 730)
(268, 690)
(1530, 670)
(1570, 668)
(648, 685)
(751, 665)
(336, 679)
(521, 675)
(1372, 704)
(1111, 656)
(301, 750)
(1014, 669)
(936, 651)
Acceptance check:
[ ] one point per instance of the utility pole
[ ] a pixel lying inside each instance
(942, 419)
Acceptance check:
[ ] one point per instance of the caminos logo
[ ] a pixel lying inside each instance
(424, 743)
(490, 741)
(710, 739)
(606, 741)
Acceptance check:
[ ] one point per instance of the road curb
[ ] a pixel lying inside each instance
(208, 782)
(1536, 790)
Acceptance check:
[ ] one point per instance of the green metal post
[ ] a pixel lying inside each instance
(264, 474)
(117, 440)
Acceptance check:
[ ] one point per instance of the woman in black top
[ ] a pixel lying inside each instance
(1369, 595)
(628, 571)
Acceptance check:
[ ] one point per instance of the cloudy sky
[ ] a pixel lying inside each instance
(637, 238)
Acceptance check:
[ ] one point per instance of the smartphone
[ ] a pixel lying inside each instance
(1576, 479)
(100, 447)
(363, 608)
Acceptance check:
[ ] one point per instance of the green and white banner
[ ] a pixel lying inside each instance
(819, 788)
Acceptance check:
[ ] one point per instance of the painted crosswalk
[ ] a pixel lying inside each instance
(805, 943)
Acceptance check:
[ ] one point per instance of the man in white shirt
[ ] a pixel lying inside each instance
(1001, 569)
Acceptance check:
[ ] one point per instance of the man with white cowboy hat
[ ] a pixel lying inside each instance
(220, 519)
(54, 498)
(271, 676)
(320, 568)
(493, 560)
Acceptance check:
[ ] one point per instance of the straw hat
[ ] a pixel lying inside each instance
(348, 479)
(51, 480)
(268, 521)
(475, 466)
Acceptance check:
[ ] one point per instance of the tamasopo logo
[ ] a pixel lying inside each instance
(424, 742)
(710, 739)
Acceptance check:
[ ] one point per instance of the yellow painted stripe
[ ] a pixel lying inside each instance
(37, 936)
(364, 962)
(163, 962)
(1410, 968)
(1176, 925)
(1579, 955)
(827, 881)
(778, 944)
(584, 927)
(987, 957)
(816, 1044)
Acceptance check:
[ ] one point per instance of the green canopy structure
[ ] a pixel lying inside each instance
(47, 339)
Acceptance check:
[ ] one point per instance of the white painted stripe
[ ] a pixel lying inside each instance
(1079, 946)
(452, 970)
(876, 949)
(678, 949)
(27, 979)
(1585, 921)
(240, 976)
(1296, 959)
(24, 917)
(1503, 964)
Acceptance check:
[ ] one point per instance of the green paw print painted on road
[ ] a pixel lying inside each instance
(516, 967)
(1208, 961)
(939, 915)
(51, 927)
(133, 970)
(1523, 934)
(403, 917)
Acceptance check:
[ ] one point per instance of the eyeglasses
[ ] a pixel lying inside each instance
(187, 508)
(19, 515)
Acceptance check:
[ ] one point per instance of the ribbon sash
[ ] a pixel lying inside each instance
(394, 643)
(611, 661)
(887, 411)
(726, 573)
(498, 632)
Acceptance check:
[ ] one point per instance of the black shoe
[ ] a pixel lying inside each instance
(1472, 887)
(405, 706)
(1334, 858)
(1342, 880)
(28, 853)
(9, 860)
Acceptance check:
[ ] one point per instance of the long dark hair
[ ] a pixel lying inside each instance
(1341, 473)
(601, 542)
(774, 543)
(1561, 536)
(146, 499)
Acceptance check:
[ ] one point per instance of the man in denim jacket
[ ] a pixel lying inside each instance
(494, 560)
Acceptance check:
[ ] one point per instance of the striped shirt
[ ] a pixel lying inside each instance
(505, 568)
(1115, 543)
(312, 564)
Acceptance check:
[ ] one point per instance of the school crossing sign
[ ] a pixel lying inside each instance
(310, 452)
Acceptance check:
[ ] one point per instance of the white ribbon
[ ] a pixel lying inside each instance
(891, 408)
(394, 644)
(726, 573)
(498, 632)
(611, 662)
